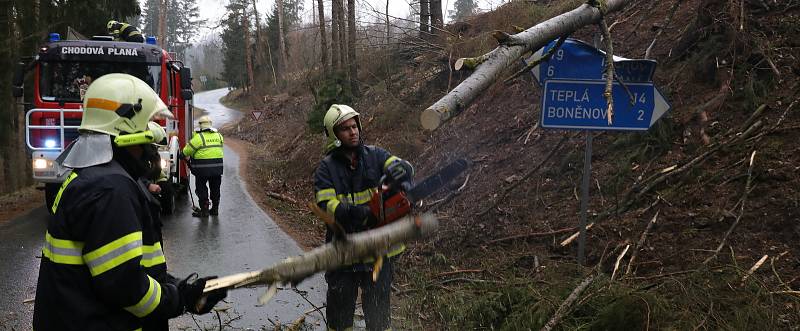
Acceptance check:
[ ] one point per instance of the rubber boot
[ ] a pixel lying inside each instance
(214, 211)
(202, 212)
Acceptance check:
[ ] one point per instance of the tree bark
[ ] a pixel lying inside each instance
(341, 13)
(281, 37)
(437, 18)
(248, 58)
(424, 17)
(322, 38)
(351, 45)
(505, 55)
(162, 22)
(336, 59)
(333, 255)
(259, 47)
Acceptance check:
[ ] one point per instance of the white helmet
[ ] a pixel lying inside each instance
(336, 115)
(204, 122)
(117, 105)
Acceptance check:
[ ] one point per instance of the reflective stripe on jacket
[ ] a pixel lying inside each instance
(205, 149)
(102, 265)
(338, 188)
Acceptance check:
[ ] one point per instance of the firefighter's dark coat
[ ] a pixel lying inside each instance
(102, 264)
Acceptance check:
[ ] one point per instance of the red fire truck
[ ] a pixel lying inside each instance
(63, 69)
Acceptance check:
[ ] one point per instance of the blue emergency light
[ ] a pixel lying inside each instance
(151, 40)
(54, 37)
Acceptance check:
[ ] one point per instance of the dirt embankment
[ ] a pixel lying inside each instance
(497, 261)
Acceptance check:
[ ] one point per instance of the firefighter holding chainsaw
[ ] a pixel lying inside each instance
(344, 184)
(102, 266)
(204, 153)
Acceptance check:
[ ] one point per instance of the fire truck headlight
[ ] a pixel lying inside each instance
(50, 143)
(39, 164)
(163, 164)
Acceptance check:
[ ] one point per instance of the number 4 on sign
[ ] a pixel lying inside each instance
(256, 114)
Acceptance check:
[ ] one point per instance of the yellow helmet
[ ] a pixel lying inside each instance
(113, 27)
(120, 104)
(336, 115)
(159, 134)
(204, 122)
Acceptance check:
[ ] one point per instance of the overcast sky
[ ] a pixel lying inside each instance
(214, 10)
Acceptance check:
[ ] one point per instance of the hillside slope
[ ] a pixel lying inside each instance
(497, 261)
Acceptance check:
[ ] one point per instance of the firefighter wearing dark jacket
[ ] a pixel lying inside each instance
(205, 153)
(124, 32)
(343, 186)
(102, 264)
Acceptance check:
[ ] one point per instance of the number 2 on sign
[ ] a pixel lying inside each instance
(641, 115)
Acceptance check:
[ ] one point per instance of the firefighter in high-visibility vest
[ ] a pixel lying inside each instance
(102, 265)
(205, 153)
(124, 32)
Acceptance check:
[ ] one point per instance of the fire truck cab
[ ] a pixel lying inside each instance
(62, 71)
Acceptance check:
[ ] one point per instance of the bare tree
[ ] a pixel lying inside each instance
(351, 45)
(162, 22)
(437, 20)
(336, 60)
(281, 36)
(247, 56)
(322, 42)
(260, 49)
(424, 17)
(342, 14)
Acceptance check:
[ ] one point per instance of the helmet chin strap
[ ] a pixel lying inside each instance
(136, 167)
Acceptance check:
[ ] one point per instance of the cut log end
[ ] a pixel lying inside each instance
(430, 119)
(459, 64)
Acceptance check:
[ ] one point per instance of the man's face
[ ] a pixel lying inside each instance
(347, 133)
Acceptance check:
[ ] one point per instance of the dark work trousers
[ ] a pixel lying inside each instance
(202, 191)
(343, 287)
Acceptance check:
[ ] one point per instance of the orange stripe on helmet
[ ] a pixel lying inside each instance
(104, 104)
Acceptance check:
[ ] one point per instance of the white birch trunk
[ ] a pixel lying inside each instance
(333, 255)
(504, 55)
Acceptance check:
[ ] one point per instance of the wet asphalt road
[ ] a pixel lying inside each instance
(242, 238)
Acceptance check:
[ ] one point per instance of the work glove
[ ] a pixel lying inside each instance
(400, 171)
(363, 215)
(194, 301)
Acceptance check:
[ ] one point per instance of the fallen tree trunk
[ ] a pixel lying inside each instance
(494, 62)
(332, 255)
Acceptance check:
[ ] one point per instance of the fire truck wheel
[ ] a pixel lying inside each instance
(167, 198)
(50, 192)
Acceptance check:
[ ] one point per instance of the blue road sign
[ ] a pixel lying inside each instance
(578, 60)
(580, 104)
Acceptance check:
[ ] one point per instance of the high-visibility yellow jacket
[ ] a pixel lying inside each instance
(102, 264)
(206, 152)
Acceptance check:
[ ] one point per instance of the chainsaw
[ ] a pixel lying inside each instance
(396, 195)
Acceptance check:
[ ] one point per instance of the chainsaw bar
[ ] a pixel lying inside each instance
(436, 181)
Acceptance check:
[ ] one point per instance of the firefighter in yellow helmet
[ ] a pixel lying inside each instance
(205, 153)
(102, 265)
(124, 32)
(343, 186)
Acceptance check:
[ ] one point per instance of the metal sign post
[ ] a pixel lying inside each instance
(587, 173)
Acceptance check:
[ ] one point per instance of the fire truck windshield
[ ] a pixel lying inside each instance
(67, 81)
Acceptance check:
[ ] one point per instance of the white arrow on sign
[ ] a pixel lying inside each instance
(661, 106)
(256, 114)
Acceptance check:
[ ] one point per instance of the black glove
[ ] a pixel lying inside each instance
(192, 297)
(361, 214)
(400, 171)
